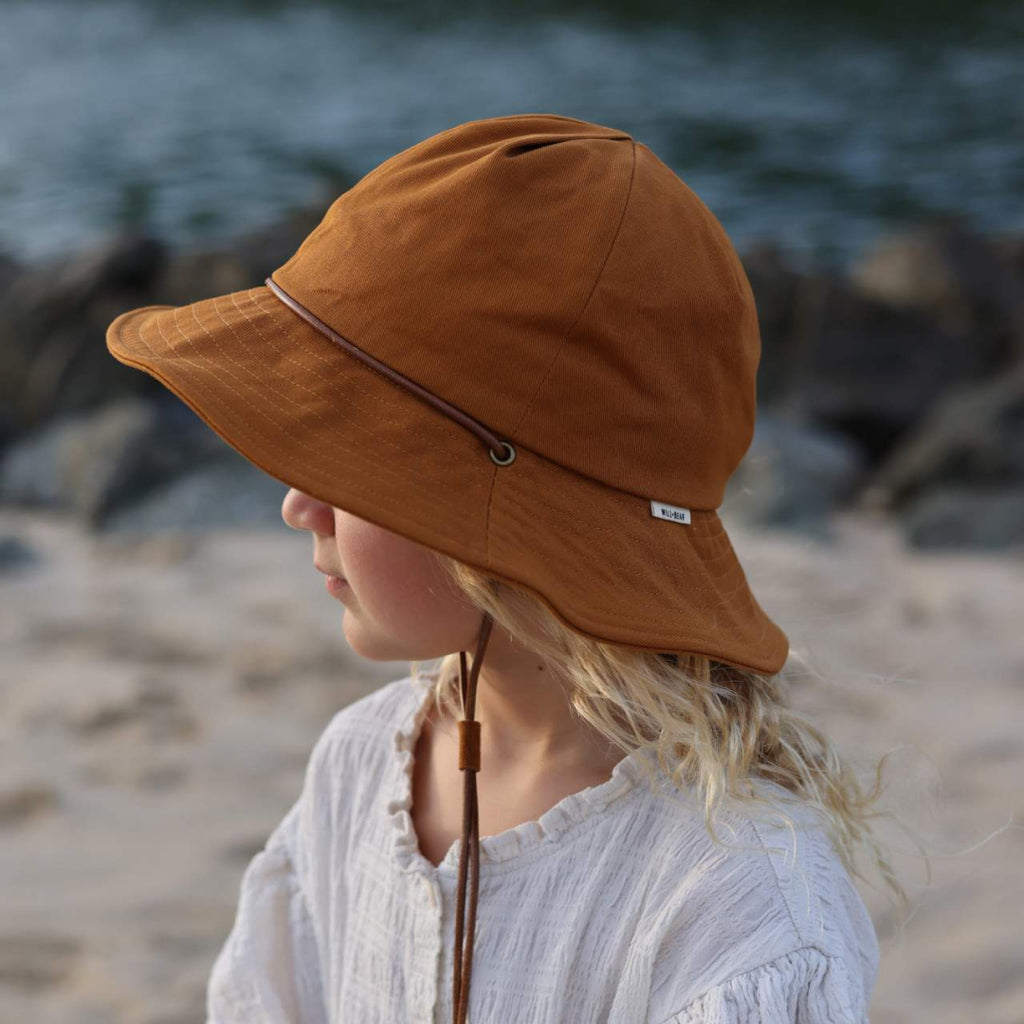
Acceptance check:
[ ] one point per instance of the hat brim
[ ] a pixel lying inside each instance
(319, 419)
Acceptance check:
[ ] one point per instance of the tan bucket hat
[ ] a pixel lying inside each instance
(523, 342)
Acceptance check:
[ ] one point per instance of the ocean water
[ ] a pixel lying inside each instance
(818, 131)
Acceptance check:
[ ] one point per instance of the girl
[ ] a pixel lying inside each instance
(506, 380)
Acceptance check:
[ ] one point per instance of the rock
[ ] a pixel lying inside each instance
(46, 293)
(793, 476)
(1009, 249)
(53, 316)
(29, 469)
(871, 371)
(242, 262)
(959, 517)
(909, 270)
(121, 263)
(8, 429)
(265, 249)
(775, 286)
(966, 282)
(93, 463)
(202, 274)
(10, 269)
(225, 494)
(975, 435)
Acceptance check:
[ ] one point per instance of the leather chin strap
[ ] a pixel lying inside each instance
(469, 762)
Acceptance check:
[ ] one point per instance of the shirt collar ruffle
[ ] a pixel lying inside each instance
(566, 814)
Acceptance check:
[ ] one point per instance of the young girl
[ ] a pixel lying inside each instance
(506, 380)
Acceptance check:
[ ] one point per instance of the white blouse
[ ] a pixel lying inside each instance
(614, 906)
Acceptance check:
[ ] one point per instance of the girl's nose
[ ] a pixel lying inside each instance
(300, 511)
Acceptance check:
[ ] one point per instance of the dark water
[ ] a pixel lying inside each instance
(819, 131)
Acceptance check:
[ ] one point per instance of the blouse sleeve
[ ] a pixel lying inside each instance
(805, 986)
(268, 971)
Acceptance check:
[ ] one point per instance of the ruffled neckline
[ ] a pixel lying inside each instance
(569, 813)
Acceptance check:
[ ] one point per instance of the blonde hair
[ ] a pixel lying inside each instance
(715, 728)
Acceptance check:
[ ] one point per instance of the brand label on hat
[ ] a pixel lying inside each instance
(673, 512)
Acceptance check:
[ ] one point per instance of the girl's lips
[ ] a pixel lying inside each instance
(334, 584)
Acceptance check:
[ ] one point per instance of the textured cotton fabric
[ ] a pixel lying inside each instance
(614, 906)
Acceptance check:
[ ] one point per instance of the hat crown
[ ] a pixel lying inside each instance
(556, 281)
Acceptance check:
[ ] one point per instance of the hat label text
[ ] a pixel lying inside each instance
(672, 512)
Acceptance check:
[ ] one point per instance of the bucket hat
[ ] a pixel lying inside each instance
(526, 343)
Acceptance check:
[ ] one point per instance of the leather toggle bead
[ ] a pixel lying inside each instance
(469, 744)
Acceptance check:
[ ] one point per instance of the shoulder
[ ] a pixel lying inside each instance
(769, 909)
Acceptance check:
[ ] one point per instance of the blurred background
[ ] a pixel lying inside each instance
(169, 656)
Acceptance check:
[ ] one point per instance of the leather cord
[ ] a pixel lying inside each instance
(502, 453)
(469, 762)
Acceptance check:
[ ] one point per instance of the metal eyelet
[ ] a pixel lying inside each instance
(506, 461)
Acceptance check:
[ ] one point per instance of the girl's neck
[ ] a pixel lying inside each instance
(529, 735)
